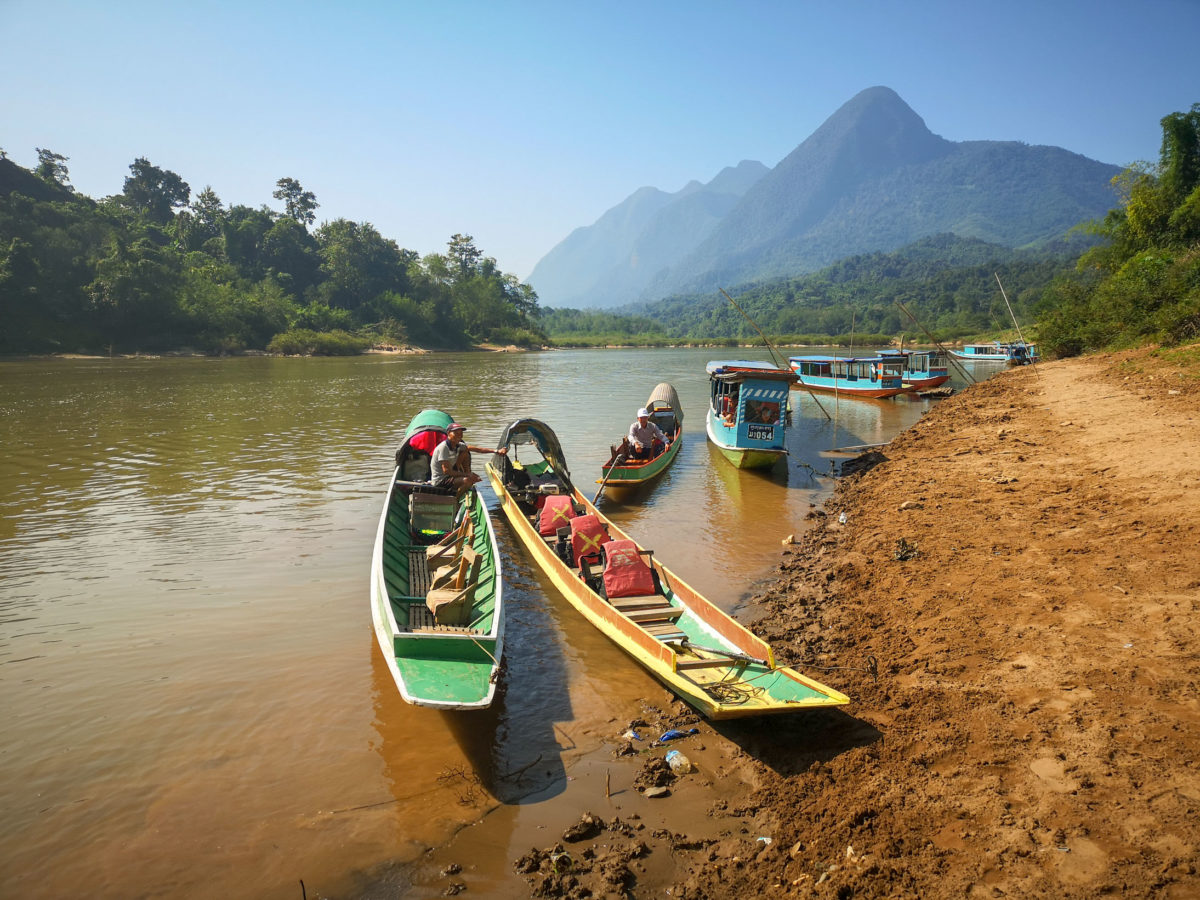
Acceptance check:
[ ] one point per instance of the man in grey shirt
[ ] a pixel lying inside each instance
(644, 435)
(450, 465)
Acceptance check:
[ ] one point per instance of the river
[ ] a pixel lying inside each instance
(194, 703)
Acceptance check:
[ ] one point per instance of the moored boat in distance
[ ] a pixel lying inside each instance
(622, 470)
(436, 593)
(923, 369)
(866, 376)
(687, 642)
(1017, 353)
(747, 411)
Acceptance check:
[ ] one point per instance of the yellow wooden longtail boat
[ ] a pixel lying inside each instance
(687, 642)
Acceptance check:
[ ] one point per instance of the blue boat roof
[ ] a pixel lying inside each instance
(719, 366)
(835, 358)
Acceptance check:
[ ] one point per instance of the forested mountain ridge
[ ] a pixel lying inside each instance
(873, 177)
(627, 247)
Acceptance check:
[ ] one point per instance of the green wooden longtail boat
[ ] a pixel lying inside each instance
(436, 593)
(665, 412)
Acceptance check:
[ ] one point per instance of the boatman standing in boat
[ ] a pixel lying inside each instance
(451, 460)
(646, 438)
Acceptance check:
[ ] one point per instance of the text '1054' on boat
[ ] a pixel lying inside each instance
(624, 468)
(874, 377)
(748, 402)
(693, 647)
(436, 592)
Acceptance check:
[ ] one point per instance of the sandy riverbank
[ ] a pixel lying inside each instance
(1024, 565)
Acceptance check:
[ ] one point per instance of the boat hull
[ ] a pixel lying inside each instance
(758, 688)
(631, 475)
(443, 670)
(845, 389)
(743, 457)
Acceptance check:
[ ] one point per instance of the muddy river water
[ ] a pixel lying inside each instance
(193, 701)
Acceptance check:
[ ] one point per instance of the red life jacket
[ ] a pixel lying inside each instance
(557, 512)
(587, 534)
(626, 573)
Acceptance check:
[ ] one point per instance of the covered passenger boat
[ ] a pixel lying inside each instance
(862, 376)
(436, 594)
(684, 640)
(622, 470)
(923, 369)
(747, 412)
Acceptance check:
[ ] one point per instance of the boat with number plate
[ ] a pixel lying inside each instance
(923, 369)
(680, 637)
(747, 411)
(866, 376)
(623, 471)
(436, 593)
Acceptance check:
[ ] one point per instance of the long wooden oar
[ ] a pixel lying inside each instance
(617, 460)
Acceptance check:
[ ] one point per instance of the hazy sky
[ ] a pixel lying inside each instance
(516, 122)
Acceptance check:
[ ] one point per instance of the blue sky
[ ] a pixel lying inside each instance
(516, 122)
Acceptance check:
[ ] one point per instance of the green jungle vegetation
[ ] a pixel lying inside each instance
(1131, 279)
(156, 269)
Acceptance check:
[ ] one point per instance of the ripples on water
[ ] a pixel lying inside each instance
(193, 701)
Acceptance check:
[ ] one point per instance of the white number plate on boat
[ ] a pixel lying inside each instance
(760, 432)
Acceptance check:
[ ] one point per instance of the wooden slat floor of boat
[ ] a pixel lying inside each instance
(627, 604)
(418, 571)
(420, 619)
(666, 631)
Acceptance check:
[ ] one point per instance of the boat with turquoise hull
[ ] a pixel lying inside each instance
(923, 369)
(747, 411)
(436, 593)
(665, 412)
(865, 376)
(1017, 353)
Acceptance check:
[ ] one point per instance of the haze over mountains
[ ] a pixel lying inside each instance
(872, 177)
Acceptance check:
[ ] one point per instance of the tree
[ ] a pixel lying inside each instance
(52, 167)
(464, 256)
(298, 203)
(154, 192)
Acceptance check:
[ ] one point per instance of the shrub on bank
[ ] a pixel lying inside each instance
(304, 342)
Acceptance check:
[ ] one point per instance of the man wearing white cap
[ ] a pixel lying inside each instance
(645, 438)
(451, 462)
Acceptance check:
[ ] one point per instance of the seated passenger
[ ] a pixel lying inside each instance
(451, 462)
(646, 439)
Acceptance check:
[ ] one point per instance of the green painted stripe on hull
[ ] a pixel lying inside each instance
(624, 475)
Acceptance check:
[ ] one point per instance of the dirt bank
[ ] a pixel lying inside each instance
(1024, 566)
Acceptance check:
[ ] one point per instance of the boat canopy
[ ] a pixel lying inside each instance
(424, 433)
(664, 398)
(538, 433)
(742, 369)
(428, 420)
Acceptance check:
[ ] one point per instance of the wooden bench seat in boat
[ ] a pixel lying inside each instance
(712, 663)
(420, 619)
(451, 597)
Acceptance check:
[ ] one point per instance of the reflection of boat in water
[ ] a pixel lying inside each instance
(664, 411)
(747, 411)
(685, 641)
(436, 594)
(1017, 353)
(866, 376)
(923, 369)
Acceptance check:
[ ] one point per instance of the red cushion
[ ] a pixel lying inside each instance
(587, 534)
(426, 440)
(626, 573)
(557, 513)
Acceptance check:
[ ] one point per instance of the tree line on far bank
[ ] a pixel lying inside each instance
(156, 268)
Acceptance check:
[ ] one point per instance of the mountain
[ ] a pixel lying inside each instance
(873, 177)
(613, 260)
